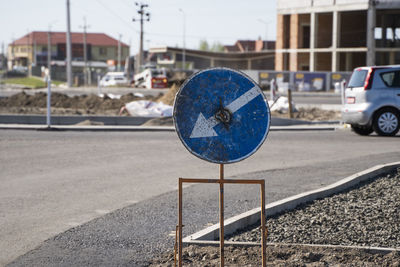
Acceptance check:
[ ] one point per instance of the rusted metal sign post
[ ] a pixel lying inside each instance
(221, 116)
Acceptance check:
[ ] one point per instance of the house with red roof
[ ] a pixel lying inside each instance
(31, 49)
(250, 46)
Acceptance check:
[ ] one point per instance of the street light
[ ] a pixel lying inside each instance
(184, 41)
(266, 23)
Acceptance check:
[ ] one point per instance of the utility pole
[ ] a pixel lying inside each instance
(3, 56)
(12, 53)
(141, 13)
(371, 23)
(266, 23)
(49, 51)
(184, 40)
(69, 50)
(86, 73)
(28, 62)
(34, 50)
(119, 53)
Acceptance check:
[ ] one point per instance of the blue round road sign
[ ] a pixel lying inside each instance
(221, 115)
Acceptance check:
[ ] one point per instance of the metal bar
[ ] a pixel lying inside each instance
(221, 181)
(263, 235)
(48, 112)
(221, 214)
(217, 181)
(176, 244)
(180, 223)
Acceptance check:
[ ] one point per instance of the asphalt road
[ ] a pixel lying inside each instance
(109, 198)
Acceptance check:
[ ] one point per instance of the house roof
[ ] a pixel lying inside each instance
(95, 39)
(246, 45)
(249, 45)
(215, 55)
(231, 48)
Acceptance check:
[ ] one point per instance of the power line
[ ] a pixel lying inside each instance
(117, 16)
(126, 3)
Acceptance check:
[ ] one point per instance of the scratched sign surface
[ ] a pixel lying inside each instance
(221, 115)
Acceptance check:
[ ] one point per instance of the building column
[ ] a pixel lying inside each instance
(349, 61)
(313, 30)
(294, 41)
(392, 58)
(278, 61)
(371, 22)
(279, 43)
(249, 64)
(335, 35)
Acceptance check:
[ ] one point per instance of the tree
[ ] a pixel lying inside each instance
(215, 47)
(204, 45)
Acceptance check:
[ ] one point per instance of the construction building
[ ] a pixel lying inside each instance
(336, 35)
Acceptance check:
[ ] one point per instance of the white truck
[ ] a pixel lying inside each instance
(151, 78)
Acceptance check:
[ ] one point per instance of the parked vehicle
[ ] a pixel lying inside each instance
(114, 79)
(373, 100)
(151, 78)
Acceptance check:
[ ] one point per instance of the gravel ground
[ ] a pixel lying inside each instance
(368, 215)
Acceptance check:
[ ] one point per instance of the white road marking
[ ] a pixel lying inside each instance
(204, 127)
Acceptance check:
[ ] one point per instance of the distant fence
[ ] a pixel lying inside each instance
(298, 81)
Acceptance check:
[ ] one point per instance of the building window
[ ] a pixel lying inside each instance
(306, 36)
(103, 51)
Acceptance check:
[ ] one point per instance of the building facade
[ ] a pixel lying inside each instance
(336, 35)
(172, 57)
(250, 46)
(31, 49)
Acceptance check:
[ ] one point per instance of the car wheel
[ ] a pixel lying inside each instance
(386, 122)
(362, 130)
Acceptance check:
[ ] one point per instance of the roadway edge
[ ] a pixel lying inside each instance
(231, 225)
(105, 128)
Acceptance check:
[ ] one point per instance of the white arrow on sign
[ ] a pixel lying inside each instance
(204, 127)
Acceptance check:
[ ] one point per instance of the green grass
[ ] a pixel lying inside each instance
(26, 81)
(31, 82)
(57, 82)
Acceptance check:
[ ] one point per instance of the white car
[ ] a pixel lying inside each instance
(373, 100)
(114, 79)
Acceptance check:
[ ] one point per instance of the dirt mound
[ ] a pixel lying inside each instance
(282, 255)
(63, 104)
(169, 97)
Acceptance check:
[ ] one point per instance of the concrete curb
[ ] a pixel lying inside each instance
(116, 128)
(57, 120)
(257, 244)
(253, 216)
(88, 128)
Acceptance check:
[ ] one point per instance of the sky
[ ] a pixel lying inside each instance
(216, 21)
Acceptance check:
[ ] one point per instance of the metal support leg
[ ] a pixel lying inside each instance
(263, 235)
(180, 223)
(221, 214)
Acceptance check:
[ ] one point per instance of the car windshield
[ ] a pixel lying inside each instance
(358, 78)
(157, 72)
